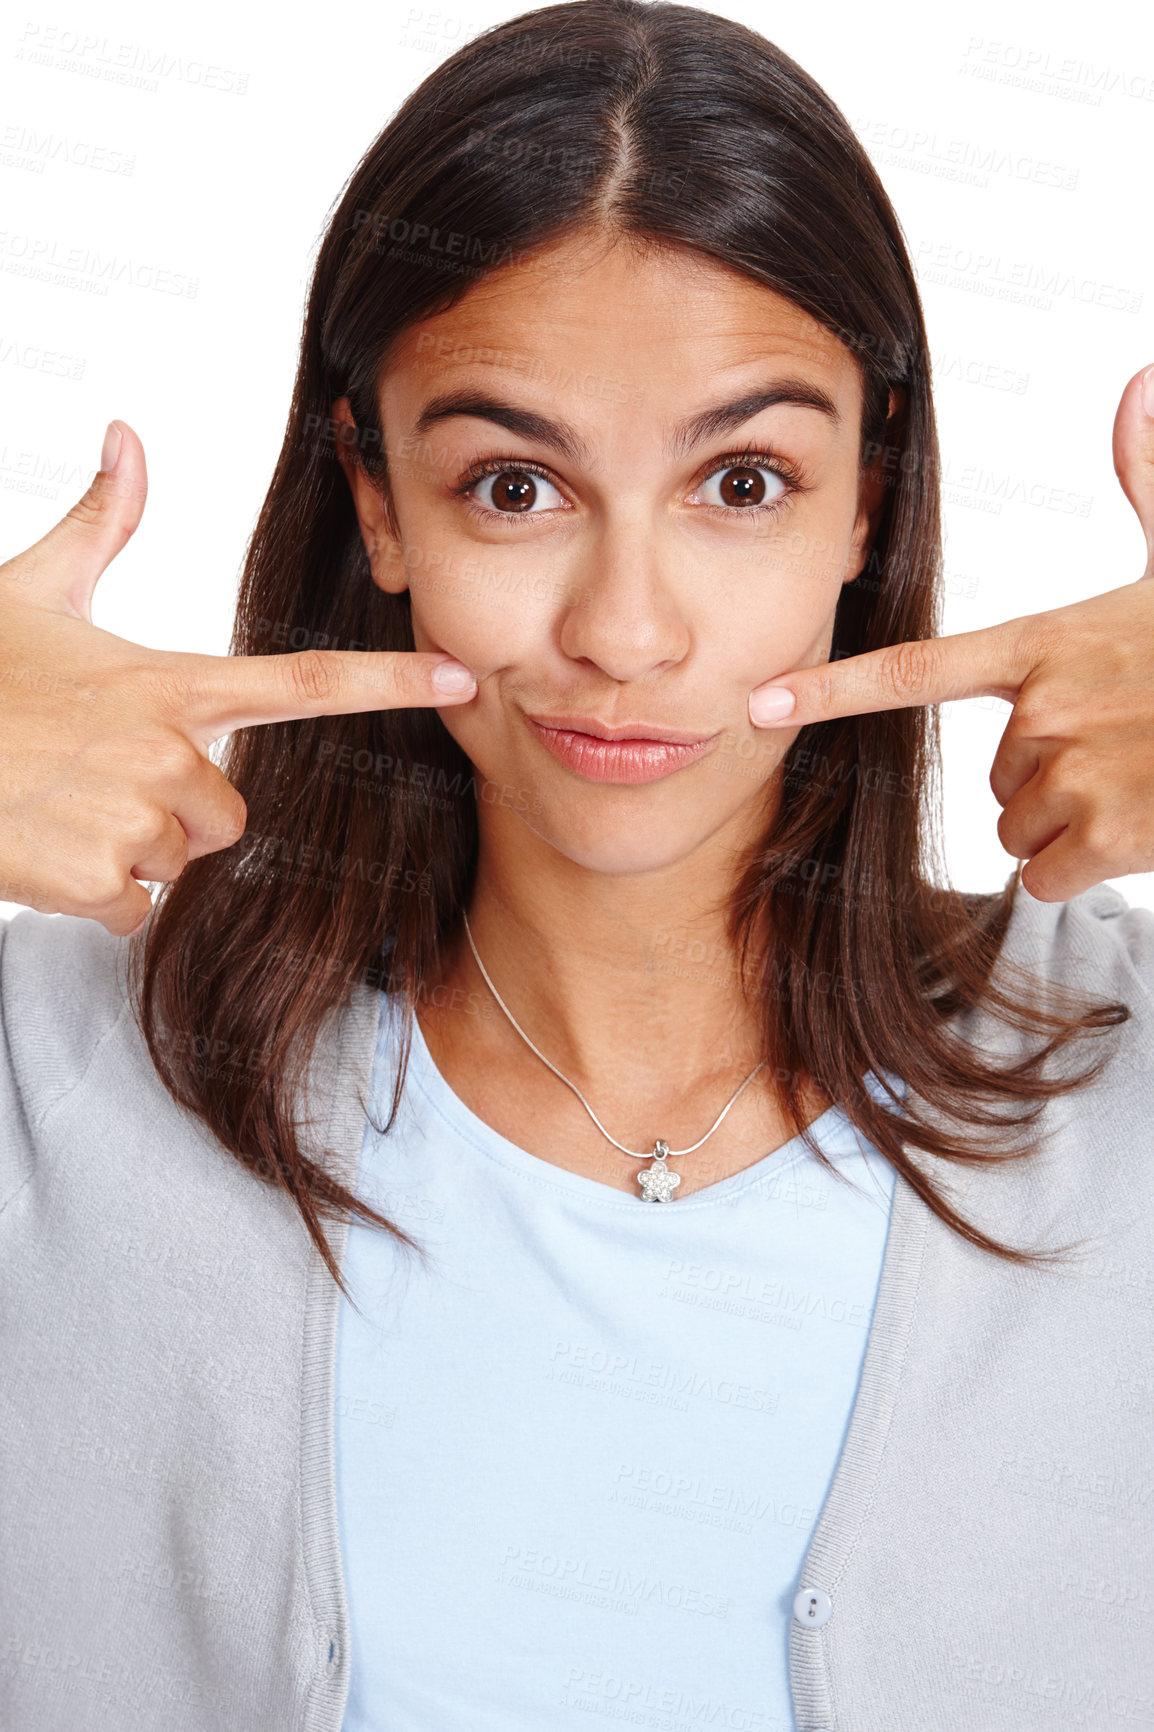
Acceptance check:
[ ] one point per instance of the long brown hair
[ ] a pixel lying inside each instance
(681, 128)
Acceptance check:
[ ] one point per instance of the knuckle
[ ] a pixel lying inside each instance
(180, 851)
(175, 856)
(125, 927)
(1007, 828)
(172, 758)
(98, 883)
(90, 509)
(1060, 777)
(907, 667)
(145, 827)
(167, 859)
(1066, 773)
(1099, 836)
(127, 913)
(97, 509)
(313, 676)
(230, 820)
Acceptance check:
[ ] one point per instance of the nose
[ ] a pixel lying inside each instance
(627, 616)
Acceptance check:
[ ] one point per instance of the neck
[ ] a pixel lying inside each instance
(628, 982)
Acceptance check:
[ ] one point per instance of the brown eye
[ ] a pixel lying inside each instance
(513, 490)
(742, 487)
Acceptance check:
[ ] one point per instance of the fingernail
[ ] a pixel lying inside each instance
(110, 450)
(1148, 392)
(770, 704)
(452, 677)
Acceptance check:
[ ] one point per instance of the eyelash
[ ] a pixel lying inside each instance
(790, 473)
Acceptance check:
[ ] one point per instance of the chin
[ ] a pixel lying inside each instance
(623, 844)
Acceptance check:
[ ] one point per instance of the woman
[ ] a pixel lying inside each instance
(614, 391)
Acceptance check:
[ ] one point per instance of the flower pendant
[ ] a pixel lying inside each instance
(657, 1182)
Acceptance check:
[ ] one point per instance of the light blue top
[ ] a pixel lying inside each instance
(580, 1456)
(170, 1548)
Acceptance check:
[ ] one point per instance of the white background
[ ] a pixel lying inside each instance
(1016, 143)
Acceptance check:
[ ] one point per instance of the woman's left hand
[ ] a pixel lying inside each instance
(1074, 772)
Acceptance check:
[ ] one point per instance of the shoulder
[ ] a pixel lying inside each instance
(1092, 954)
(1095, 943)
(63, 991)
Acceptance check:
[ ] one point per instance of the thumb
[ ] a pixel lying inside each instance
(1134, 453)
(59, 572)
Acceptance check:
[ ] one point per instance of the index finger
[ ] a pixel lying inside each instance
(992, 662)
(215, 695)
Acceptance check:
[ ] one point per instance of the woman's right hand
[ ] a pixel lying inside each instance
(105, 777)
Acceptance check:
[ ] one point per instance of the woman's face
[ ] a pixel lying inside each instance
(655, 535)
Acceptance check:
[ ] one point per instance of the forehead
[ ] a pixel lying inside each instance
(670, 317)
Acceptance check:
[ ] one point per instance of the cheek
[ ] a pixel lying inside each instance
(812, 558)
(780, 625)
(486, 617)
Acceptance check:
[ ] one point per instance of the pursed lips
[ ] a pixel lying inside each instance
(599, 730)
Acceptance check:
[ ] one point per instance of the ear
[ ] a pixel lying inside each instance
(871, 495)
(379, 530)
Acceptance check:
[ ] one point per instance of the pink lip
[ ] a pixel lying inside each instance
(623, 758)
(627, 731)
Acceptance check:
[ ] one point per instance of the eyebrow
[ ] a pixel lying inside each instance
(557, 436)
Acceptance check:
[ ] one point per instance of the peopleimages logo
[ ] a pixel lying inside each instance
(116, 62)
(1022, 281)
(921, 149)
(1046, 72)
(651, 1379)
(80, 267)
(633, 1588)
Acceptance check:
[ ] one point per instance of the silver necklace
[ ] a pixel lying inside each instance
(657, 1182)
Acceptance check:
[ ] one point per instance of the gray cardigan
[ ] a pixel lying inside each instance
(169, 1549)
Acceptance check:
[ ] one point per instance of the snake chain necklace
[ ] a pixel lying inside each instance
(657, 1182)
